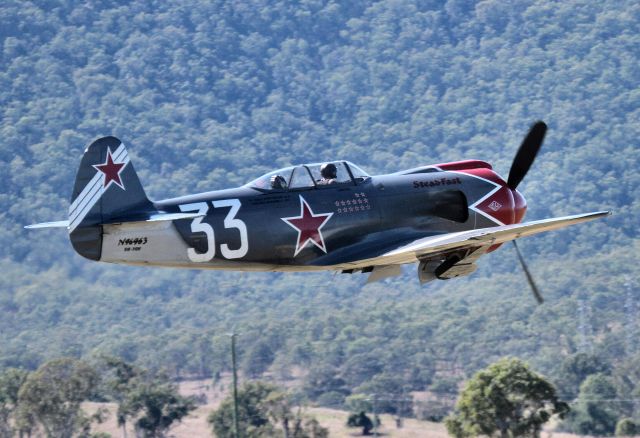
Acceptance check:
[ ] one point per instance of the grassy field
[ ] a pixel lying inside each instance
(195, 425)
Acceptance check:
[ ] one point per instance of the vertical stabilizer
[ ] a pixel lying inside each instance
(106, 187)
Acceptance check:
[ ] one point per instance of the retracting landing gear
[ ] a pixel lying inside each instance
(454, 265)
(426, 270)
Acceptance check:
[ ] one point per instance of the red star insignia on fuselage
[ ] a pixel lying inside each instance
(111, 171)
(308, 226)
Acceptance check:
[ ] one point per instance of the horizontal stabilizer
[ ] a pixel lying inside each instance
(156, 217)
(173, 216)
(56, 224)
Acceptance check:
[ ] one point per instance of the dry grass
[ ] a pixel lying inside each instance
(335, 421)
(195, 425)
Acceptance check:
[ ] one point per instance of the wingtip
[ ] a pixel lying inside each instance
(597, 214)
(602, 213)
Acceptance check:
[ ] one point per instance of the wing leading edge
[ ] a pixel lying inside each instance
(482, 237)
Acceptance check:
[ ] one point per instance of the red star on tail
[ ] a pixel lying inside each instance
(111, 171)
(308, 226)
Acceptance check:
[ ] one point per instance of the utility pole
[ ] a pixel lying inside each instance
(375, 417)
(631, 326)
(235, 385)
(630, 308)
(401, 407)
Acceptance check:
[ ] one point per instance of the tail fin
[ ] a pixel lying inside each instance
(107, 187)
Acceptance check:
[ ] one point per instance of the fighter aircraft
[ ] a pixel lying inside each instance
(310, 217)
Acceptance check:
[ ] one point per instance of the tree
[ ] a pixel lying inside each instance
(309, 427)
(251, 418)
(387, 394)
(10, 382)
(258, 358)
(119, 380)
(596, 412)
(578, 367)
(360, 420)
(507, 399)
(324, 378)
(157, 405)
(151, 401)
(358, 403)
(53, 393)
(262, 408)
(627, 427)
(294, 425)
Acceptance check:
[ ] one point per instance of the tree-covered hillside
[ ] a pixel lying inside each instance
(208, 95)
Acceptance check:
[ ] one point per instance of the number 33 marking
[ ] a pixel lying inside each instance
(230, 221)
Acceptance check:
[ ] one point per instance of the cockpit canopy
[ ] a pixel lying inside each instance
(309, 176)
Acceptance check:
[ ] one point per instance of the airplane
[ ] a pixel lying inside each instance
(311, 217)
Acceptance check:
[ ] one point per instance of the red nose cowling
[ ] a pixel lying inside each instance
(520, 206)
(503, 205)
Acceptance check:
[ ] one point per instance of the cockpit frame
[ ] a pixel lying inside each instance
(268, 181)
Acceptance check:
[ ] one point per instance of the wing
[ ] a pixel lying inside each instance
(479, 238)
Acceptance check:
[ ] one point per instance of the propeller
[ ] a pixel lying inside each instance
(534, 288)
(522, 162)
(526, 154)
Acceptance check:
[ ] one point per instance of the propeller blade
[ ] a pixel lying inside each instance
(534, 288)
(526, 154)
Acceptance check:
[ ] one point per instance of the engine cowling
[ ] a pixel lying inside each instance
(504, 206)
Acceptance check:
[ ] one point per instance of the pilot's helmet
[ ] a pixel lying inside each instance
(329, 171)
(278, 182)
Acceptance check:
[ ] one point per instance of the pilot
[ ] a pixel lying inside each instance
(278, 182)
(329, 173)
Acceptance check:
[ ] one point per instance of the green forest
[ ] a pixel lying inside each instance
(209, 95)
